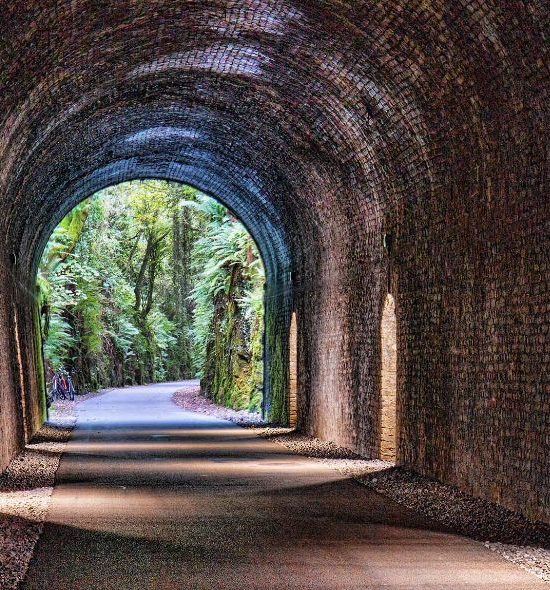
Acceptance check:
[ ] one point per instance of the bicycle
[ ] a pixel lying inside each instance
(62, 387)
(70, 389)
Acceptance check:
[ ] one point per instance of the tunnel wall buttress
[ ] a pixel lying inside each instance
(22, 401)
(11, 414)
(277, 306)
(328, 125)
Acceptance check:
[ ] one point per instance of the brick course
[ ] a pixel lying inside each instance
(388, 381)
(324, 125)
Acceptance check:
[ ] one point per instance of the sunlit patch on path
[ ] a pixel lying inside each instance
(151, 496)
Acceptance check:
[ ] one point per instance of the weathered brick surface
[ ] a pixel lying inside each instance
(388, 381)
(293, 372)
(323, 125)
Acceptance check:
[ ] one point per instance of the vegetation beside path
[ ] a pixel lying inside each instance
(152, 281)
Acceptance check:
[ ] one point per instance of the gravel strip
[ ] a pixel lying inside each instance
(26, 487)
(533, 559)
(25, 490)
(514, 537)
(189, 398)
(464, 514)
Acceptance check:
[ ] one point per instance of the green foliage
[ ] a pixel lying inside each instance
(228, 319)
(148, 281)
(277, 345)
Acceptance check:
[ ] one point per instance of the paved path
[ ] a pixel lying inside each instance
(151, 497)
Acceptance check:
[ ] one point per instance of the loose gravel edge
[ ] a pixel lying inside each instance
(26, 487)
(189, 398)
(511, 535)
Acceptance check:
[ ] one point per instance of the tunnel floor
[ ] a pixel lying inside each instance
(149, 496)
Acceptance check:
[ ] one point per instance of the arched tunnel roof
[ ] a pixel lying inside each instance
(304, 117)
(370, 146)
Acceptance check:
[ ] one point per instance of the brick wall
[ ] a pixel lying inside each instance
(11, 412)
(324, 126)
(388, 381)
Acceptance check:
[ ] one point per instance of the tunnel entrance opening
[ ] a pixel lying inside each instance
(150, 281)
(318, 149)
(388, 382)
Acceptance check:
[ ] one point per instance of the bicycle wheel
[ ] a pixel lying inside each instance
(59, 393)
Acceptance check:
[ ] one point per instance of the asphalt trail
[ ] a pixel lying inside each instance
(149, 496)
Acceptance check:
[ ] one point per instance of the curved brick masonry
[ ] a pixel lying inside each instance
(388, 381)
(325, 125)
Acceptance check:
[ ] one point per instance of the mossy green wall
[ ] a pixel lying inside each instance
(39, 357)
(276, 376)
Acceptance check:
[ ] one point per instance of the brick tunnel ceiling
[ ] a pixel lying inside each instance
(305, 118)
(324, 125)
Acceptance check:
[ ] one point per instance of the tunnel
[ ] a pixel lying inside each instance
(371, 148)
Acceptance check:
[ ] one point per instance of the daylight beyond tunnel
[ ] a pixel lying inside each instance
(370, 148)
(151, 281)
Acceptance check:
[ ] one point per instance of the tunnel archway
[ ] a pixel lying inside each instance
(325, 122)
(176, 215)
(277, 300)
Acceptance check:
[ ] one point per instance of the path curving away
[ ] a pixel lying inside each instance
(149, 496)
